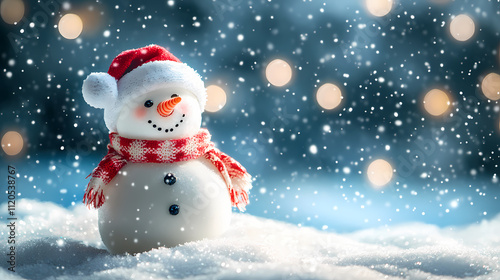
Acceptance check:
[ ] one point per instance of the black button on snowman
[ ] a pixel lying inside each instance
(174, 209)
(152, 106)
(170, 179)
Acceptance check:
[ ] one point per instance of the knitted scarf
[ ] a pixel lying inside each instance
(123, 150)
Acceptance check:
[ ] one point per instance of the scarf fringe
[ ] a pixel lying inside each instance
(94, 194)
(239, 191)
(109, 166)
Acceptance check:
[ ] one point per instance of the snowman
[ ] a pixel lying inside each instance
(162, 182)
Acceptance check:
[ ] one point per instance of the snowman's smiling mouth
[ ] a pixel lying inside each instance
(167, 130)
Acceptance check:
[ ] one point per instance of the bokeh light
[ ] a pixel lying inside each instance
(436, 102)
(216, 98)
(70, 26)
(278, 72)
(329, 96)
(379, 8)
(12, 11)
(379, 173)
(12, 143)
(491, 86)
(462, 27)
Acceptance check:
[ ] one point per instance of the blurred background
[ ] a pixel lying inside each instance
(348, 114)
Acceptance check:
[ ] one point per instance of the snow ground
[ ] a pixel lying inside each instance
(61, 243)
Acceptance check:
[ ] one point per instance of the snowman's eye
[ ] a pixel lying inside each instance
(148, 103)
(174, 95)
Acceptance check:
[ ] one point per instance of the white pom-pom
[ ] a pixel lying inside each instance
(99, 90)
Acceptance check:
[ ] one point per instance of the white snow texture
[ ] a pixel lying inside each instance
(59, 243)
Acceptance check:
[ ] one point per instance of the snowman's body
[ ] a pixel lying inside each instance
(136, 216)
(149, 95)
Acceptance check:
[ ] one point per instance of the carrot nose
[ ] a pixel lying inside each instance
(165, 108)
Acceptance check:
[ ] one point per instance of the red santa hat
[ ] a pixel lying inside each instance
(136, 72)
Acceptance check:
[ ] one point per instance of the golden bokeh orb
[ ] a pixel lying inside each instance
(12, 11)
(70, 26)
(379, 173)
(491, 86)
(12, 143)
(462, 27)
(216, 98)
(329, 96)
(278, 72)
(379, 8)
(436, 102)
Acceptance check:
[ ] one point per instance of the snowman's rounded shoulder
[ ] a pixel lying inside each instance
(196, 165)
(195, 171)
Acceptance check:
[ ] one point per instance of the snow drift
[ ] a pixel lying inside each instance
(59, 243)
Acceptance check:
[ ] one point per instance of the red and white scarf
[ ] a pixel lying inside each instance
(123, 150)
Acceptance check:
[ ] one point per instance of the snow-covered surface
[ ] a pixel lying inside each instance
(60, 243)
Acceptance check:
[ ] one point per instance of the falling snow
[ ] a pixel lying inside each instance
(309, 163)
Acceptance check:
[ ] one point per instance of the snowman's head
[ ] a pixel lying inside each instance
(148, 94)
(166, 113)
